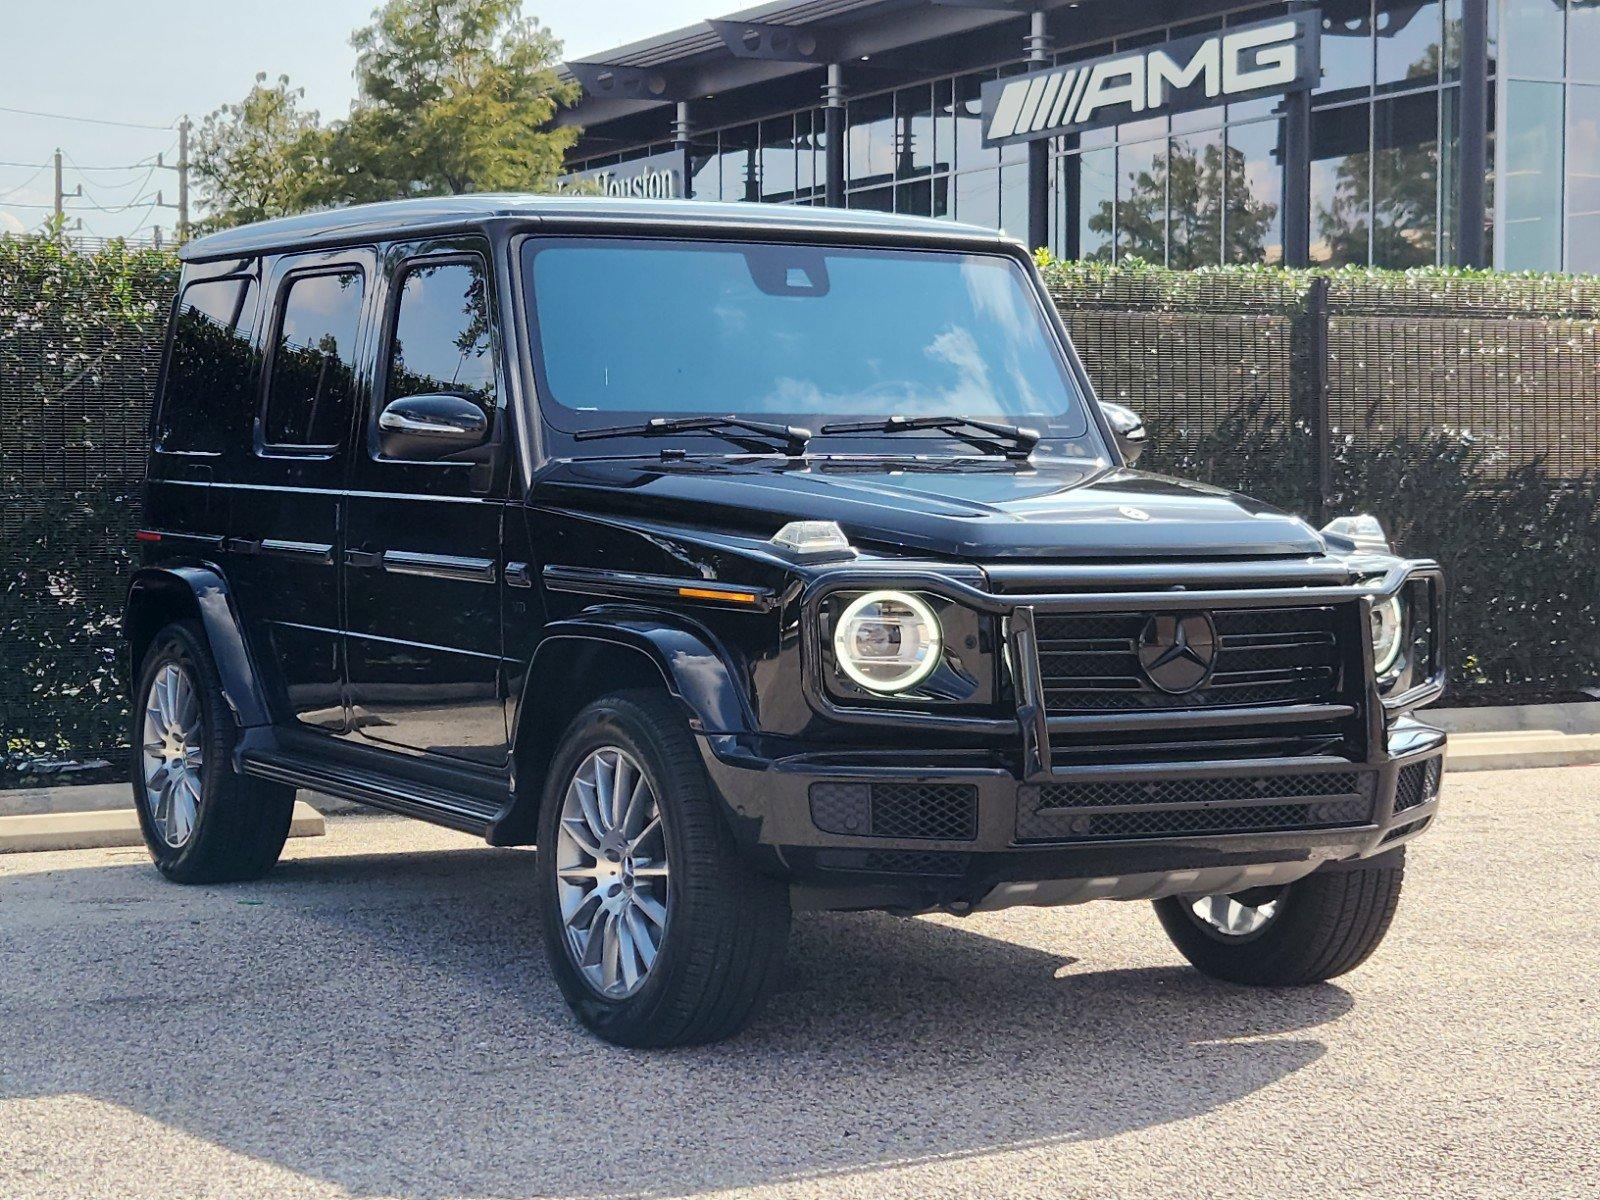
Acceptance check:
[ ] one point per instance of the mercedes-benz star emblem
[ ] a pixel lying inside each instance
(1178, 650)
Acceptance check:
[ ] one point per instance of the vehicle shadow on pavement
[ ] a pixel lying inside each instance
(387, 1024)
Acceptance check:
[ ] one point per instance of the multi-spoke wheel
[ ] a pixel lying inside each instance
(658, 934)
(612, 872)
(1243, 914)
(202, 822)
(174, 754)
(1303, 932)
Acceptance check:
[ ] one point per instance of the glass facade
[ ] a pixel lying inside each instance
(1547, 197)
(1207, 186)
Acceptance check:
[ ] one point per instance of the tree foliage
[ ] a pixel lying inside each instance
(262, 157)
(452, 96)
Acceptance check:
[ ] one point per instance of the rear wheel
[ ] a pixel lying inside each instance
(1304, 932)
(657, 934)
(202, 822)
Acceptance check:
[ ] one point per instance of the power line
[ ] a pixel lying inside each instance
(31, 112)
(43, 167)
(133, 166)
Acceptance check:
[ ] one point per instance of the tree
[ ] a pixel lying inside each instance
(261, 157)
(454, 96)
(1175, 209)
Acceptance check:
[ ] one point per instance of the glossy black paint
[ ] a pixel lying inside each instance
(415, 634)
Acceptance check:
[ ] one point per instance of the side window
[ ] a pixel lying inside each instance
(211, 373)
(313, 361)
(441, 341)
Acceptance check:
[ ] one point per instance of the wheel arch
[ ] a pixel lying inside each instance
(158, 596)
(592, 657)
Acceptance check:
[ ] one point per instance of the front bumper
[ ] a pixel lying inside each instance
(1122, 831)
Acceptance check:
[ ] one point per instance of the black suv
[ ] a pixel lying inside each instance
(746, 559)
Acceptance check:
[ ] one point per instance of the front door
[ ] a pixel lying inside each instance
(422, 576)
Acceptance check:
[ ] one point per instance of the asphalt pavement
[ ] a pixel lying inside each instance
(376, 1019)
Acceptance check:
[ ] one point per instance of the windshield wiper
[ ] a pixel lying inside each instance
(757, 436)
(1015, 441)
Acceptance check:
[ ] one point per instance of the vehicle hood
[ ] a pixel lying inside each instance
(971, 509)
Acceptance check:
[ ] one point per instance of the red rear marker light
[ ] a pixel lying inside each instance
(146, 535)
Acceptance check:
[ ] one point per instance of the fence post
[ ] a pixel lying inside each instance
(1311, 398)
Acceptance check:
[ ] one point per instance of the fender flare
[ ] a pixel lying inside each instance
(686, 660)
(693, 668)
(203, 593)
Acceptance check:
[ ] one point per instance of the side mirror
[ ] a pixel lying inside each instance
(1128, 428)
(430, 427)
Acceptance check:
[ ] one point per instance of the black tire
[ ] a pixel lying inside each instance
(1326, 924)
(727, 926)
(240, 823)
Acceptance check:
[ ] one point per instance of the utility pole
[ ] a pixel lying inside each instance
(183, 179)
(182, 168)
(59, 207)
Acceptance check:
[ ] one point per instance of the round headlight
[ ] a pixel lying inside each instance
(887, 641)
(1387, 623)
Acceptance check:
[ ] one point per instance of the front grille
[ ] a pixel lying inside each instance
(933, 811)
(1417, 784)
(1265, 656)
(1178, 807)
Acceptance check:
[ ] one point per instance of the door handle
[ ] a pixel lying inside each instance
(365, 560)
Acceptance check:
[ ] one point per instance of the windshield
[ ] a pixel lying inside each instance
(632, 329)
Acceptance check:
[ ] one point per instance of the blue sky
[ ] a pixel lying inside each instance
(148, 63)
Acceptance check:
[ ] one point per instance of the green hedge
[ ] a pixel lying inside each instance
(80, 343)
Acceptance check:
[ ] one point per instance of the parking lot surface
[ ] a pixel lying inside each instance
(376, 1019)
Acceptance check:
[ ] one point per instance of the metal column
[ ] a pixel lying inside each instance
(682, 134)
(1038, 45)
(1296, 146)
(833, 134)
(1472, 162)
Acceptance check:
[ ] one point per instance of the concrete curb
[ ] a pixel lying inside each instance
(99, 829)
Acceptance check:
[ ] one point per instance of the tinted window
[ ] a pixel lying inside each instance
(802, 331)
(313, 363)
(441, 335)
(212, 369)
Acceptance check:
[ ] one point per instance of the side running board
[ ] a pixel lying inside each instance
(366, 787)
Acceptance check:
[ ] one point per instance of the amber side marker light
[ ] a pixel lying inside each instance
(692, 593)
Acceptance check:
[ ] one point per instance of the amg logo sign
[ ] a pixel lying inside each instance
(1270, 57)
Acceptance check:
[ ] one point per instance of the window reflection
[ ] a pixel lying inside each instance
(1196, 166)
(1531, 37)
(1340, 185)
(441, 340)
(1141, 213)
(1408, 42)
(313, 362)
(1405, 182)
(1530, 221)
(1583, 179)
(209, 375)
(1253, 193)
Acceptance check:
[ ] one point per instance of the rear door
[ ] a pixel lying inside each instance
(284, 498)
(423, 580)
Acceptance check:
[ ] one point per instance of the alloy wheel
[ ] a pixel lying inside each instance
(1226, 916)
(172, 754)
(612, 879)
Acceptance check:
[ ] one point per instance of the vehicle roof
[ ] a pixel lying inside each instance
(404, 218)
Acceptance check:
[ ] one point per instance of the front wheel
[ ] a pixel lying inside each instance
(657, 934)
(1301, 933)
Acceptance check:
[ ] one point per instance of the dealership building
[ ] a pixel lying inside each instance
(1187, 133)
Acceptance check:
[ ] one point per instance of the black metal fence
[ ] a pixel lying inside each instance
(1462, 409)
